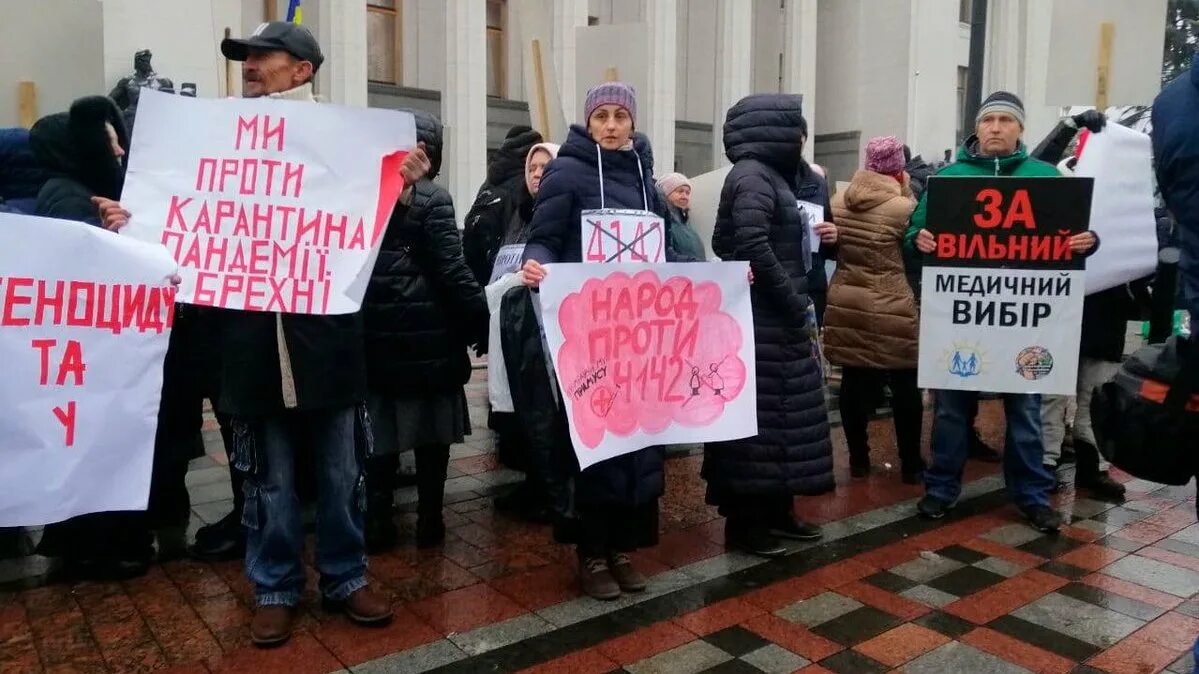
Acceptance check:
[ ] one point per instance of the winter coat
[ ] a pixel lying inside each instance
(1176, 153)
(74, 148)
(497, 200)
(572, 184)
(1105, 317)
(684, 240)
(813, 188)
(273, 362)
(21, 175)
(871, 317)
(423, 306)
(758, 221)
(971, 163)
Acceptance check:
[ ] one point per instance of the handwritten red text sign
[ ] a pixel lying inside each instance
(267, 205)
(85, 316)
(654, 355)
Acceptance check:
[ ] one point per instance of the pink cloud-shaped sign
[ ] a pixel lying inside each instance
(640, 353)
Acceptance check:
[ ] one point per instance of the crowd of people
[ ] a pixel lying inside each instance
(319, 410)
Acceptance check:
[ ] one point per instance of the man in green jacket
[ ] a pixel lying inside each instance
(995, 150)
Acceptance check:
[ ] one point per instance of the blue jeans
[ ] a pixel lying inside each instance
(274, 530)
(1028, 482)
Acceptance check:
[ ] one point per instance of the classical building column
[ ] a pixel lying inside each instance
(734, 60)
(341, 31)
(464, 101)
(567, 16)
(659, 102)
(799, 61)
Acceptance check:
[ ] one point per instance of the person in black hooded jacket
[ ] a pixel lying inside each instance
(423, 308)
(83, 149)
(602, 165)
(500, 196)
(754, 480)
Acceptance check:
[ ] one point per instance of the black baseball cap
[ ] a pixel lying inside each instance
(276, 36)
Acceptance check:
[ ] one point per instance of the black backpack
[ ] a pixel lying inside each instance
(1146, 419)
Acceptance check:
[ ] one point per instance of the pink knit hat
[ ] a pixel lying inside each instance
(671, 182)
(611, 93)
(884, 155)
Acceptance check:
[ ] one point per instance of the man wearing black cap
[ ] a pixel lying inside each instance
(291, 378)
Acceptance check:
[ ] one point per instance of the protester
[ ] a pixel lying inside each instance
(21, 175)
(500, 196)
(871, 328)
(676, 189)
(753, 481)
(811, 187)
(1175, 151)
(601, 166)
(542, 497)
(996, 149)
(287, 379)
(1105, 317)
(423, 308)
(83, 150)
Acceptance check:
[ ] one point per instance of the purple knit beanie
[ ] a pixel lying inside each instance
(611, 93)
(884, 155)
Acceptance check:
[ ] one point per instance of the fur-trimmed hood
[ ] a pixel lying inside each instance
(75, 144)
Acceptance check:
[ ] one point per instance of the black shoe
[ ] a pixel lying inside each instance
(980, 450)
(1101, 485)
(859, 468)
(381, 533)
(796, 530)
(14, 543)
(430, 531)
(106, 570)
(566, 529)
(221, 541)
(933, 508)
(1042, 518)
(913, 477)
(755, 542)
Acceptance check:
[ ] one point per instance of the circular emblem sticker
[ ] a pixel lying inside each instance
(1034, 363)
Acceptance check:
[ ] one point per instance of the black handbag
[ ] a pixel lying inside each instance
(1146, 419)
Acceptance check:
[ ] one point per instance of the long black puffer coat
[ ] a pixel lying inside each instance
(423, 306)
(758, 221)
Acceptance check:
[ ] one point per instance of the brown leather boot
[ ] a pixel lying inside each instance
(364, 607)
(627, 577)
(596, 581)
(271, 625)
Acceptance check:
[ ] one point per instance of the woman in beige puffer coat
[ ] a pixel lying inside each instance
(871, 324)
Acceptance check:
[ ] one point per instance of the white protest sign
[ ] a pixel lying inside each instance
(1121, 162)
(85, 317)
(1138, 40)
(651, 355)
(812, 215)
(267, 205)
(1002, 293)
(622, 235)
(507, 261)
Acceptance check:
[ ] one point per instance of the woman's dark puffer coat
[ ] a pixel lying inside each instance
(498, 198)
(758, 221)
(423, 306)
(570, 186)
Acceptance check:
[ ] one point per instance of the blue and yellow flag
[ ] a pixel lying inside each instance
(295, 13)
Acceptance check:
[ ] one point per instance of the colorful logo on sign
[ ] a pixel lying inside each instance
(1034, 363)
(965, 360)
